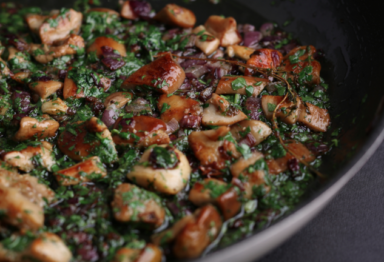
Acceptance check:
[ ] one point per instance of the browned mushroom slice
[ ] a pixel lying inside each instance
(4, 105)
(299, 59)
(316, 118)
(206, 42)
(85, 171)
(45, 54)
(150, 253)
(134, 204)
(242, 52)
(141, 131)
(239, 85)
(177, 107)
(211, 148)
(19, 210)
(106, 41)
(213, 191)
(45, 88)
(163, 75)
(251, 173)
(58, 27)
(23, 159)
(288, 111)
(221, 113)
(89, 138)
(119, 99)
(54, 107)
(264, 58)
(170, 234)
(47, 247)
(175, 15)
(279, 165)
(168, 179)
(16, 54)
(223, 28)
(252, 132)
(34, 21)
(127, 11)
(40, 128)
(21, 76)
(4, 68)
(198, 234)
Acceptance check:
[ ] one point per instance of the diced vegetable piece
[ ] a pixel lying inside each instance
(205, 41)
(54, 107)
(175, 15)
(39, 128)
(45, 88)
(225, 29)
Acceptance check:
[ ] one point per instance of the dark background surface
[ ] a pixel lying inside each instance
(349, 229)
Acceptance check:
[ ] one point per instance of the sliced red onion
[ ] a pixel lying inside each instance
(219, 64)
(245, 28)
(252, 38)
(109, 52)
(111, 59)
(21, 102)
(317, 148)
(110, 116)
(293, 165)
(189, 62)
(191, 40)
(41, 78)
(172, 126)
(196, 71)
(185, 85)
(190, 121)
(138, 105)
(140, 8)
(218, 54)
(267, 29)
(248, 140)
(253, 104)
(206, 94)
(170, 34)
(17, 42)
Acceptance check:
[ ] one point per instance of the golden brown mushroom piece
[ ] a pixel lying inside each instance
(279, 165)
(250, 172)
(216, 192)
(264, 58)
(175, 15)
(34, 21)
(82, 139)
(226, 87)
(134, 204)
(221, 113)
(59, 27)
(47, 247)
(316, 118)
(54, 107)
(119, 99)
(211, 148)
(141, 131)
(4, 68)
(45, 88)
(150, 253)
(225, 29)
(163, 75)
(46, 53)
(169, 179)
(253, 131)
(85, 171)
(23, 159)
(178, 107)
(206, 42)
(39, 128)
(240, 51)
(106, 41)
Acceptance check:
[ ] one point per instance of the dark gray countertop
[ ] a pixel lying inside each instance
(349, 229)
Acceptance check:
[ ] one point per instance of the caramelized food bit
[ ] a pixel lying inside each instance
(23, 159)
(225, 29)
(163, 75)
(221, 113)
(85, 171)
(251, 172)
(241, 85)
(239, 51)
(20, 77)
(131, 203)
(120, 99)
(316, 118)
(177, 107)
(175, 15)
(34, 21)
(49, 247)
(205, 41)
(39, 128)
(134, 9)
(54, 107)
(252, 131)
(288, 111)
(150, 253)
(211, 148)
(141, 131)
(198, 234)
(264, 58)
(45, 54)
(59, 27)
(45, 88)
(106, 41)
(82, 139)
(168, 173)
(279, 165)
(213, 191)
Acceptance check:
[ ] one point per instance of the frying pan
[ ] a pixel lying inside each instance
(350, 34)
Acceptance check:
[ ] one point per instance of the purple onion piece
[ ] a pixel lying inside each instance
(190, 121)
(88, 253)
(267, 29)
(248, 28)
(196, 71)
(109, 52)
(252, 38)
(185, 85)
(41, 78)
(19, 43)
(188, 63)
(113, 63)
(248, 140)
(317, 148)
(110, 116)
(253, 104)
(62, 74)
(141, 9)
(206, 94)
(22, 101)
(138, 105)
(293, 165)
(172, 126)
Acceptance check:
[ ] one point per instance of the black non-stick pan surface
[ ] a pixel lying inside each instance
(351, 35)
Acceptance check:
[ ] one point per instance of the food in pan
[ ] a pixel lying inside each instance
(137, 135)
